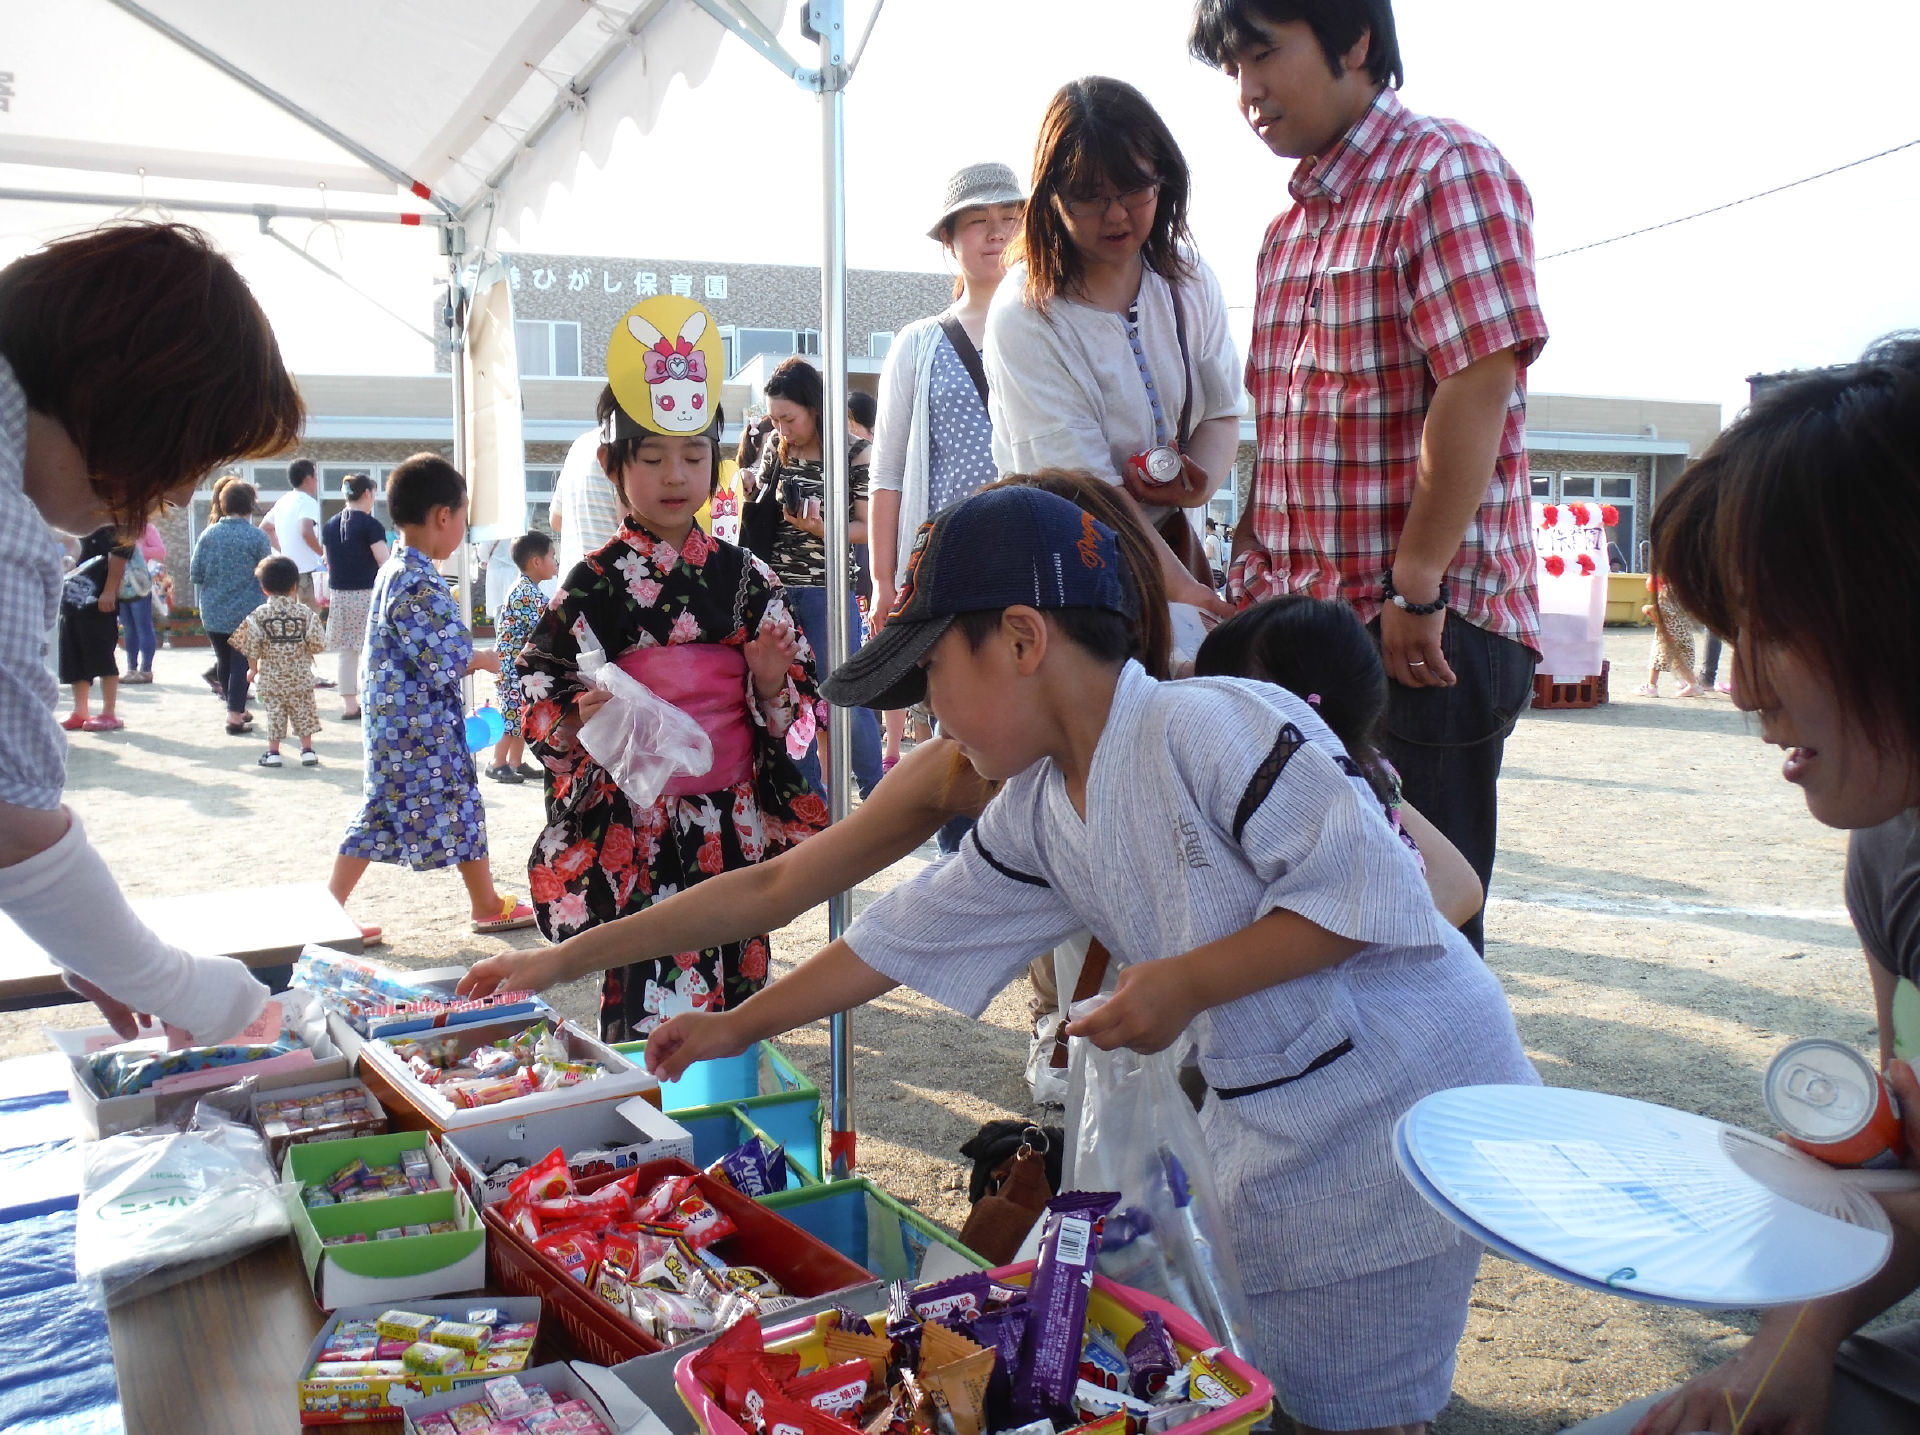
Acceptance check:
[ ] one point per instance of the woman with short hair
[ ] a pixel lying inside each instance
(1107, 349)
(133, 360)
(356, 544)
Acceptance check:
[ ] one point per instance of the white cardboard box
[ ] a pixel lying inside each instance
(109, 1115)
(562, 1382)
(325, 1401)
(623, 1077)
(632, 1132)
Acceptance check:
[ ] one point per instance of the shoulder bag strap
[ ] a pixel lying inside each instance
(1186, 364)
(970, 356)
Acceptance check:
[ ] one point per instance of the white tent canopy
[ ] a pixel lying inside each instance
(455, 112)
(465, 99)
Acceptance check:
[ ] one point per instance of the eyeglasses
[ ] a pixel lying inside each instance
(1096, 207)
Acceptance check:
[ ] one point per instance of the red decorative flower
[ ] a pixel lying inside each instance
(1555, 564)
(712, 860)
(1581, 513)
(570, 864)
(616, 849)
(540, 718)
(810, 809)
(1585, 560)
(1550, 515)
(546, 885)
(1609, 515)
(686, 961)
(753, 960)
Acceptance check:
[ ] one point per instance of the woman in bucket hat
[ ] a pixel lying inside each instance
(933, 442)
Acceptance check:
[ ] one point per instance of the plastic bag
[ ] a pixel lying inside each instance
(1169, 1236)
(165, 1203)
(641, 740)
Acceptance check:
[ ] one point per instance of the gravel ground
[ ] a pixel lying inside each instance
(1665, 916)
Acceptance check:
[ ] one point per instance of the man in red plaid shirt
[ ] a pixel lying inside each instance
(1394, 320)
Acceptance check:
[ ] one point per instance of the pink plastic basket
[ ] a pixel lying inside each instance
(1119, 1308)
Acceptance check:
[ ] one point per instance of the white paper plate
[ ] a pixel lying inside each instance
(1641, 1200)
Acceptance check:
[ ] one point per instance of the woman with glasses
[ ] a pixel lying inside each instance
(1107, 349)
(933, 439)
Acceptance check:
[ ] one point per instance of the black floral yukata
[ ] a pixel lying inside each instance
(598, 857)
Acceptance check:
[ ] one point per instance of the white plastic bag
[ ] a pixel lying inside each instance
(642, 740)
(163, 1204)
(1138, 1135)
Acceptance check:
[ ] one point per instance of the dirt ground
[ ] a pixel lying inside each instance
(1665, 916)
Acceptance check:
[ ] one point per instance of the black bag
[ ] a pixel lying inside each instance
(760, 517)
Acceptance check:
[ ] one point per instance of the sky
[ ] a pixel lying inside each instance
(1616, 116)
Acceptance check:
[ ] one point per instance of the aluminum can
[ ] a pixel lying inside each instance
(1828, 1097)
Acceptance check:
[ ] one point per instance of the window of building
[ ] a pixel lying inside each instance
(749, 344)
(878, 344)
(549, 348)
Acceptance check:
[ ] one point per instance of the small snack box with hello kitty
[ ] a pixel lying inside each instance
(415, 1100)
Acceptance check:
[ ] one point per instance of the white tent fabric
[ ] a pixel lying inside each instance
(444, 92)
(495, 456)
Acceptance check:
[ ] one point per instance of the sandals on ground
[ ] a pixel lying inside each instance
(514, 914)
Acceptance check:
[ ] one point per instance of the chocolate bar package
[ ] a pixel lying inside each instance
(1049, 1369)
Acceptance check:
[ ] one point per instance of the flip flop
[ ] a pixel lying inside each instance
(370, 936)
(514, 914)
(73, 722)
(102, 724)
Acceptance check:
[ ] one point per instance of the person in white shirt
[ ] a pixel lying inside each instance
(1108, 341)
(587, 509)
(293, 526)
(133, 360)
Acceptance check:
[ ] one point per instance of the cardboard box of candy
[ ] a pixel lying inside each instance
(495, 1071)
(381, 1218)
(365, 999)
(320, 1111)
(357, 1371)
(682, 1261)
(547, 1400)
(602, 1138)
(100, 1114)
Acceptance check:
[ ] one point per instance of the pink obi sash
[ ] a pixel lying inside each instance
(707, 682)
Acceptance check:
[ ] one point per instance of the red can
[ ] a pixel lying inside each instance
(1829, 1098)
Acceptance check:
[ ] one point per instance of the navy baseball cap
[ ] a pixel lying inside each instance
(1002, 547)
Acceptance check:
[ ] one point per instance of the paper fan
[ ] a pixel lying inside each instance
(1639, 1199)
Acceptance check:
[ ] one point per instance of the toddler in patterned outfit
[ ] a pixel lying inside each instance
(421, 807)
(519, 615)
(279, 640)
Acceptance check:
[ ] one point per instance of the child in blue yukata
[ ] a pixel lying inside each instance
(519, 615)
(1215, 837)
(421, 807)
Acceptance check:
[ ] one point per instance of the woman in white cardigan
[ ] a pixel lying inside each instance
(933, 440)
(1109, 342)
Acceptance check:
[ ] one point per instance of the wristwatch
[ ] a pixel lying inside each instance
(1406, 605)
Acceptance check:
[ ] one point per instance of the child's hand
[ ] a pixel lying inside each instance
(770, 653)
(1151, 1005)
(253, 672)
(590, 702)
(529, 971)
(692, 1036)
(484, 660)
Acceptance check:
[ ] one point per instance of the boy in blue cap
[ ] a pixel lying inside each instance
(1216, 837)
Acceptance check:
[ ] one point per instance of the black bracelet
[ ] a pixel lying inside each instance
(1406, 605)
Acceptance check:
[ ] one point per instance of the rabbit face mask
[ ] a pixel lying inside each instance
(665, 365)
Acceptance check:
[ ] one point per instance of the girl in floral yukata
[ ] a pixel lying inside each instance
(702, 624)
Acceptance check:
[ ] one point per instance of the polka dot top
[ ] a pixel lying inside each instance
(960, 452)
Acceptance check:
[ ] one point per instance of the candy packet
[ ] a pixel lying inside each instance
(756, 1169)
(1151, 1357)
(1050, 1352)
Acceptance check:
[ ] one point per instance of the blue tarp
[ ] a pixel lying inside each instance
(56, 1364)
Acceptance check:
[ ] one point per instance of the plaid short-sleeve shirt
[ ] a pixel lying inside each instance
(1407, 256)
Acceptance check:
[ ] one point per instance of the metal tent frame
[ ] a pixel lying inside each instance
(824, 22)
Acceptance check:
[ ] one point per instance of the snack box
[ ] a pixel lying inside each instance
(414, 1106)
(1116, 1307)
(280, 1138)
(805, 1266)
(632, 1132)
(562, 1381)
(324, 1401)
(444, 980)
(109, 1115)
(396, 1270)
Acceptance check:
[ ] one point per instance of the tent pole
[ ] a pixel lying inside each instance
(825, 19)
(453, 238)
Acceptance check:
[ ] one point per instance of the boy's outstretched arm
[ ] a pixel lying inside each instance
(831, 980)
(1153, 1002)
